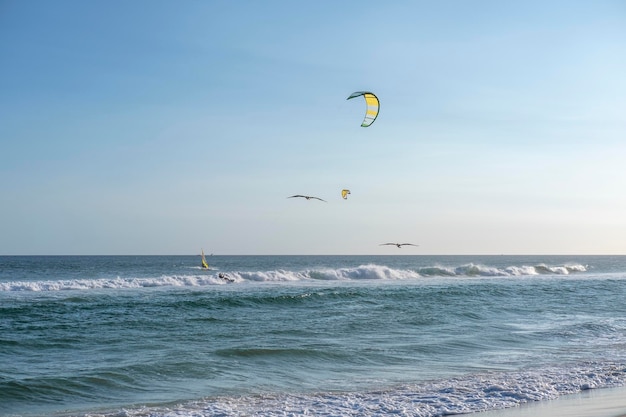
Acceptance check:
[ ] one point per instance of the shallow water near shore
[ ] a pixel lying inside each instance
(327, 335)
(610, 402)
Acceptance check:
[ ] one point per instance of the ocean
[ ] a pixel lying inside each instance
(126, 336)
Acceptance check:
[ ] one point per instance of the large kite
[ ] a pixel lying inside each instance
(372, 104)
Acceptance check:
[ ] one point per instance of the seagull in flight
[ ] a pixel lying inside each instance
(308, 197)
(398, 244)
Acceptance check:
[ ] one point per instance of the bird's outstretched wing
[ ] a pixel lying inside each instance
(398, 244)
(308, 197)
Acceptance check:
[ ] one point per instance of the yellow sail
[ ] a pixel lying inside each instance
(204, 264)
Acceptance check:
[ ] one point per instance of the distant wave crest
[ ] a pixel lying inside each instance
(362, 272)
(472, 269)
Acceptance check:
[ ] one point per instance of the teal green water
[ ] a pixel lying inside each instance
(334, 335)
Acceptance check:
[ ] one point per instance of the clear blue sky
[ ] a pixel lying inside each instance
(163, 127)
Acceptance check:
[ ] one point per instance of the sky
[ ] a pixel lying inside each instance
(163, 127)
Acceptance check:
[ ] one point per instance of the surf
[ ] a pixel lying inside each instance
(365, 272)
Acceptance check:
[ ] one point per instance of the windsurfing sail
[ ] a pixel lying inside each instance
(344, 194)
(372, 103)
(204, 264)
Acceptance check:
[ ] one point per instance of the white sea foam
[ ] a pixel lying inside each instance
(112, 283)
(472, 269)
(369, 271)
(362, 272)
(468, 394)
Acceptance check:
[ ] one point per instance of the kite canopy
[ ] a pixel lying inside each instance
(344, 193)
(372, 106)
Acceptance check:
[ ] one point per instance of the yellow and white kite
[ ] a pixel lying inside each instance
(344, 194)
(371, 101)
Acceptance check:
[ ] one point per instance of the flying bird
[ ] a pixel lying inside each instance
(308, 197)
(398, 244)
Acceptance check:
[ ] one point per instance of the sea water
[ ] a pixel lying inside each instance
(305, 335)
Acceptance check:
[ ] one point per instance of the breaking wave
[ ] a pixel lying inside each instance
(362, 272)
(472, 269)
(467, 394)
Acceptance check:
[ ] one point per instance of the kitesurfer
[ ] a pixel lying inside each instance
(224, 277)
